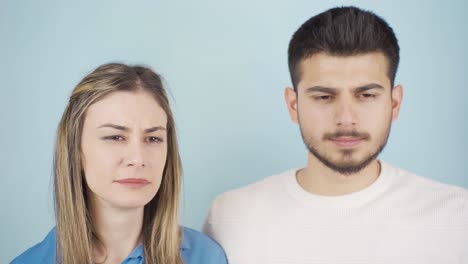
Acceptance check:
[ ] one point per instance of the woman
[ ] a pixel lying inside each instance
(117, 177)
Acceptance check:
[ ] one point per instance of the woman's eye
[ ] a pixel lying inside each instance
(155, 140)
(114, 138)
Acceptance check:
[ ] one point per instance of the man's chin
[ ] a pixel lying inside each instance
(349, 169)
(345, 167)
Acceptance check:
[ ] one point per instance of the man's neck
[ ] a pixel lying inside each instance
(319, 179)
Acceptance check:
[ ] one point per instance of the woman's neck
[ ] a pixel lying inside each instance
(118, 230)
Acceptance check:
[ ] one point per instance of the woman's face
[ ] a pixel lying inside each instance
(124, 149)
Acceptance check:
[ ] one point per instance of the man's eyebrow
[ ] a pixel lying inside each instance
(126, 129)
(331, 90)
(322, 89)
(366, 87)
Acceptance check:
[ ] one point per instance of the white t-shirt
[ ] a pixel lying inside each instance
(400, 218)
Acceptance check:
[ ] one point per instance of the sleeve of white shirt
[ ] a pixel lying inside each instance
(465, 209)
(207, 228)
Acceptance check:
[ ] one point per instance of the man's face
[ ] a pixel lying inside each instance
(344, 107)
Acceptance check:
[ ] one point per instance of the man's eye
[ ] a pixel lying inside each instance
(323, 97)
(155, 140)
(367, 95)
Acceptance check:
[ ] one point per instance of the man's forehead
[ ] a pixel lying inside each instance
(344, 71)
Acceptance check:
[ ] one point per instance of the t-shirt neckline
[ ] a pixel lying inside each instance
(352, 199)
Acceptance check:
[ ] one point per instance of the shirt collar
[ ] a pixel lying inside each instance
(185, 245)
(139, 252)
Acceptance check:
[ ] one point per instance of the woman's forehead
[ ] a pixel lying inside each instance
(127, 108)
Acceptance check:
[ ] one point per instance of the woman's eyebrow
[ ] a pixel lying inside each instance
(126, 129)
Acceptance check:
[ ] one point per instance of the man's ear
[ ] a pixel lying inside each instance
(290, 97)
(397, 98)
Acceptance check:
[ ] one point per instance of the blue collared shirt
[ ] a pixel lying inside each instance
(196, 248)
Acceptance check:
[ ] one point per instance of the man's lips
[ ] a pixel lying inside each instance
(133, 182)
(346, 141)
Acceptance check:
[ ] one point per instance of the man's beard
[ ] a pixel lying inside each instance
(346, 168)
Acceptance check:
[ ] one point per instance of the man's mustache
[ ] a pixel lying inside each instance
(338, 134)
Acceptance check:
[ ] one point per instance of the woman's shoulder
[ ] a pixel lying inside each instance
(199, 248)
(196, 248)
(43, 252)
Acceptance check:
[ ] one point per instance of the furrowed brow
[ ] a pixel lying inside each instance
(154, 129)
(368, 87)
(118, 127)
(322, 89)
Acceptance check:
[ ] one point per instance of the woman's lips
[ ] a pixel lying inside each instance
(133, 182)
(346, 141)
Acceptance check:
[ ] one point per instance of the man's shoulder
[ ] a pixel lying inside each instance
(422, 183)
(43, 252)
(429, 190)
(264, 185)
(252, 195)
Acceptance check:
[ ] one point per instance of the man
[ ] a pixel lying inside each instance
(345, 206)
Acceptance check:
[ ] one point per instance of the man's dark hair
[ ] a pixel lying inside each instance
(343, 31)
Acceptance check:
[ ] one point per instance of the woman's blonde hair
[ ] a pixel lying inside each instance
(76, 237)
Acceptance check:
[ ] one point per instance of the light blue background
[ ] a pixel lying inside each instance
(226, 66)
